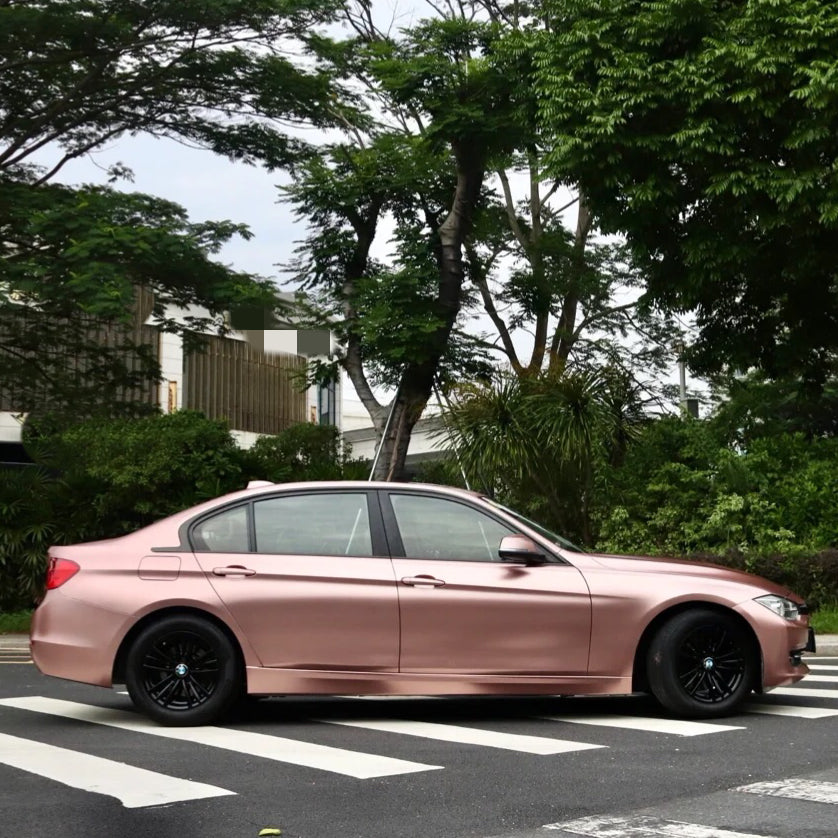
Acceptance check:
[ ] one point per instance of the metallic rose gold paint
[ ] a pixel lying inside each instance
(400, 626)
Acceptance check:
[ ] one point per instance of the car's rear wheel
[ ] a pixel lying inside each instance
(701, 663)
(183, 670)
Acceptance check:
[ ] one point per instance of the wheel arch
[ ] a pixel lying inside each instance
(118, 674)
(639, 678)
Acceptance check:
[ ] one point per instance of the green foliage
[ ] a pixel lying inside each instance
(754, 406)
(682, 490)
(133, 471)
(81, 72)
(704, 132)
(71, 263)
(539, 442)
(305, 452)
(100, 479)
(32, 517)
(15, 622)
(825, 619)
(77, 74)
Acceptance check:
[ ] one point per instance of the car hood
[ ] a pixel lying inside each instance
(686, 567)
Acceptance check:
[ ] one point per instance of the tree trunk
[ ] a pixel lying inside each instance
(417, 380)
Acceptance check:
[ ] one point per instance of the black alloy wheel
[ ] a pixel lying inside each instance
(183, 670)
(701, 663)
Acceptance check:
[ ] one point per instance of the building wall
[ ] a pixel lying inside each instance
(254, 391)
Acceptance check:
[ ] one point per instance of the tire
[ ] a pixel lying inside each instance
(183, 670)
(701, 663)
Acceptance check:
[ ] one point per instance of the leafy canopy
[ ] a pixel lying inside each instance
(224, 75)
(704, 130)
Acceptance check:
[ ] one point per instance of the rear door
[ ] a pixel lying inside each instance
(307, 578)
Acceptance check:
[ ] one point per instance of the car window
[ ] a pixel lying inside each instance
(320, 524)
(225, 532)
(437, 528)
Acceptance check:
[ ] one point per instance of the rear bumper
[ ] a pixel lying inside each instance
(75, 640)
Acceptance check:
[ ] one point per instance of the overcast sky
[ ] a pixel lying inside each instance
(210, 187)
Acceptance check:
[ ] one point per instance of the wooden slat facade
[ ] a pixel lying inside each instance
(251, 390)
(229, 380)
(95, 332)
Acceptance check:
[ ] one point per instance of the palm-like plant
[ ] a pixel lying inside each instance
(537, 441)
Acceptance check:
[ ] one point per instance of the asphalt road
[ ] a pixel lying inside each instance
(77, 762)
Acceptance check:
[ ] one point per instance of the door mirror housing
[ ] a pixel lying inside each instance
(518, 549)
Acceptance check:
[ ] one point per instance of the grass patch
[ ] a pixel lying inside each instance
(15, 622)
(825, 619)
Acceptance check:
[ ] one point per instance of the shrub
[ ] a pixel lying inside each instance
(305, 452)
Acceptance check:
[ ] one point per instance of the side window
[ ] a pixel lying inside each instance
(316, 524)
(437, 528)
(223, 533)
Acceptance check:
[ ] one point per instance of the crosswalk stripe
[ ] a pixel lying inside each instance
(678, 727)
(337, 760)
(821, 679)
(802, 692)
(470, 736)
(644, 826)
(826, 668)
(133, 787)
(798, 711)
(797, 789)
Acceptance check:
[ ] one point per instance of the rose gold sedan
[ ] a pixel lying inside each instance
(386, 588)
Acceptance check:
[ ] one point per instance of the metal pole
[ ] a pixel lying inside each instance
(456, 452)
(384, 435)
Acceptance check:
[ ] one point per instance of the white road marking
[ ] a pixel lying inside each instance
(133, 787)
(820, 679)
(337, 760)
(678, 727)
(644, 826)
(827, 668)
(471, 736)
(812, 790)
(799, 712)
(802, 692)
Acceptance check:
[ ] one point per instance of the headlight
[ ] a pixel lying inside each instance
(781, 606)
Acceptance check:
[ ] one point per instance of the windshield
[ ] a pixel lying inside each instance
(557, 539)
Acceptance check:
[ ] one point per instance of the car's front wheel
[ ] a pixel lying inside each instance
(701, 663)
(183, 670)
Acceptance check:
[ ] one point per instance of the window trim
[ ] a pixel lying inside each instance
(377, 534)
(394, 534)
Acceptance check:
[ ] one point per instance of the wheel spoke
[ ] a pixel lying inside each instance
(711, 664)
(176, 690)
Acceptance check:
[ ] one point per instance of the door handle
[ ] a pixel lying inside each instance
(233, 570)
(423, 581)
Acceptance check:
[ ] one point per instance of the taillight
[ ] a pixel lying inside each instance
(59, 571)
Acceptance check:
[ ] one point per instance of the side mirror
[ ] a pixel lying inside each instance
(518, 549)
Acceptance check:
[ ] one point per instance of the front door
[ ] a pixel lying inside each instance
(465, 611)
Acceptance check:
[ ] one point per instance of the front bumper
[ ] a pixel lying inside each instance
(782, 643)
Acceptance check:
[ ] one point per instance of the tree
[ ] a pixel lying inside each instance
(704, 133)
(446, 109)
(73, 263)
(77, 74)
(574, 294)
(540, 441)
(754, 406)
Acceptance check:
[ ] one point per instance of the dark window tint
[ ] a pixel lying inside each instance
(437, 528)
(320, 525)
(225, 532)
